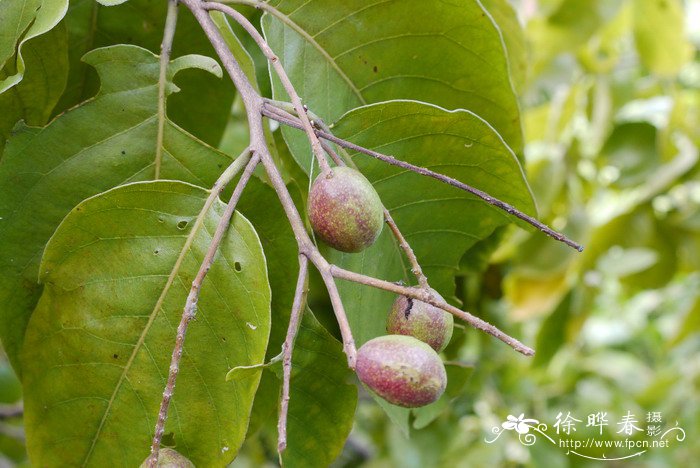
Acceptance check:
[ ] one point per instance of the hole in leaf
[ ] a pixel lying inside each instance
(156, 252)
(237, 266)
(115, 356)
(182, 224)
(160, 219)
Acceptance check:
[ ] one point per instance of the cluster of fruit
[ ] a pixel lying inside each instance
(403, 367)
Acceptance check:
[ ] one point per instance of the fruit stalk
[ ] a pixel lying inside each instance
(288, 348)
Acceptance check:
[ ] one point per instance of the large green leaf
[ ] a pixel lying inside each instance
(23, 20)
(106, 142)
(323, 398)
(205, 101)
(341, 54)
(46, 71)
(439, 221)
(98, 346)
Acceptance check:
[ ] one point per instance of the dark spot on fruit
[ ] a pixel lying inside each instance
(375, 69)
(115, 356)
(407, 312)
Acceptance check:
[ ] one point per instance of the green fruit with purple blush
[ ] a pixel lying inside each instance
(402, 370)
(421, 320)
(345, 211)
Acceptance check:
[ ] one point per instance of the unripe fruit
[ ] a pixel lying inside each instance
(402, 370)
(170, 458)
(345, 210)
(421, 320)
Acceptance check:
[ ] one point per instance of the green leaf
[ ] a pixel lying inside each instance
(108, 141)
(342, 54)
(660, 35)
(234, 44)
(34, 98)
(322, 398)
(23, 20)
(439, 221)
(141, 22)
(18, 15)
(106, 324)
(506, 19)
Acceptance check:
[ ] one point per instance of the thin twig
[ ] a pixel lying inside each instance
(191, 306)
(426, 296)
(165, 49)
(307, 248)
(11, 411)
(428, 173)
(284, 79)
(288, 347)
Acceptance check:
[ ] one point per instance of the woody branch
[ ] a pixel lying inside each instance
(257, 108)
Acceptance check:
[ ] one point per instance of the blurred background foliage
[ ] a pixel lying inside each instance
(610, 96)
(610, 100)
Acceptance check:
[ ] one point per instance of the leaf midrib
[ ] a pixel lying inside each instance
(142, 338)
